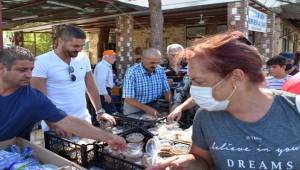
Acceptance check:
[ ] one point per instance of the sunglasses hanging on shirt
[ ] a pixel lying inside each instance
(71, 73)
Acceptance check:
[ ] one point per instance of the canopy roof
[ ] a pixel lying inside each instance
(19, 12)
(40, 15)
(291, 12)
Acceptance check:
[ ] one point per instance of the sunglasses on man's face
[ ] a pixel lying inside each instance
(71, 73)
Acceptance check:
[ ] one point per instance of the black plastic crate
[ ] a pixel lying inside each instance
(82, 154)
(126, 123)
(110, 161)
(121, 123)
(138, 122)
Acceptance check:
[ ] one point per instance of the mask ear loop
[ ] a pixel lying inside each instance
(231, 94)
(221, 81)
(218, 83)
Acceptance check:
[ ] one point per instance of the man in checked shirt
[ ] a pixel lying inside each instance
(144, 83)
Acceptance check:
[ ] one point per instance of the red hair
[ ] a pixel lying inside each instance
(228, 51)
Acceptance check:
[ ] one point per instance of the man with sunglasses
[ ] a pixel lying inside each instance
(65, 75)
(22, 106)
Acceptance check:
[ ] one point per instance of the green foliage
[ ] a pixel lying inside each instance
(38, 43)
(6, 36)
(45, 43)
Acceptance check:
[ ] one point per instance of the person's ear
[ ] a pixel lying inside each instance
(237, 76)
(60, 41)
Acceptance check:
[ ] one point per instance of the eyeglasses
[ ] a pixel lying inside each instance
(71, 73)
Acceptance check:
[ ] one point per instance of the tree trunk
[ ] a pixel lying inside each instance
(103, 41)
(17, 39)
(157, 21)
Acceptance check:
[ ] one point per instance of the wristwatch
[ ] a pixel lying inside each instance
(101, 111)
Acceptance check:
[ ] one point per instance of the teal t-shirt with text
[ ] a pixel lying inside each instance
(273, 142)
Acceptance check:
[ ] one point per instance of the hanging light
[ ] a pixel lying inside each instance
(202, 21)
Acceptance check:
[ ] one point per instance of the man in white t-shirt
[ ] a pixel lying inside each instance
(64, 75)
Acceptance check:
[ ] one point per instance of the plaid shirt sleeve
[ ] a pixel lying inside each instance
(128, 85)
(166, 86)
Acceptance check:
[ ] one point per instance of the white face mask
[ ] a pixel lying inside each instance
(204, 98)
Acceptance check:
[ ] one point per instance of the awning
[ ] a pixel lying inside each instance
(291, 12)
(38, 12)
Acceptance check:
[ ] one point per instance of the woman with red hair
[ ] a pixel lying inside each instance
(241, 126)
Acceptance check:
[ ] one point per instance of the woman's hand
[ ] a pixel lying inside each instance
(175, 115)
(181, 162)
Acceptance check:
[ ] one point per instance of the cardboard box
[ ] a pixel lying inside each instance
(44, 155)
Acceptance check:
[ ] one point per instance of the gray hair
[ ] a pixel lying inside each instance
(174, 48)
(9, 55)
(151, 52)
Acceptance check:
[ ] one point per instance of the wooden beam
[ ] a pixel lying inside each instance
(111, 22)
(290, 15)
(24, 5)
(203, 11)
(108, 21)
(166, 17)
(218, 12)
(78, 21)
(259, 6)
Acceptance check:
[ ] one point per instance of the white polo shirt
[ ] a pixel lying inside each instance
(67, 95)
